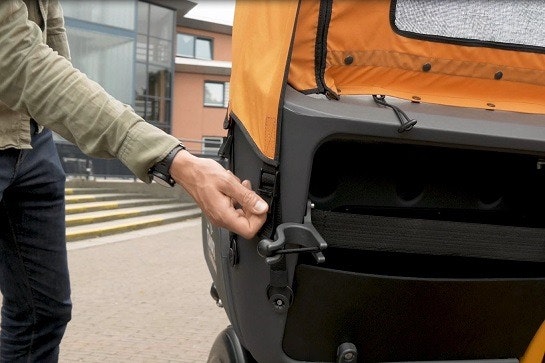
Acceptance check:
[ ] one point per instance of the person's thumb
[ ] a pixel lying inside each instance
(258, 205)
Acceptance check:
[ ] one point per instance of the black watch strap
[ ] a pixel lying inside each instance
(160, 172)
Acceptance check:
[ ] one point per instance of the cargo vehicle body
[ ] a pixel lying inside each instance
(401, 146)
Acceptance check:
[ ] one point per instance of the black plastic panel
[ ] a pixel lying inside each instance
(392, 319)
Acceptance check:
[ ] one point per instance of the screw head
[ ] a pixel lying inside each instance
(349, 356)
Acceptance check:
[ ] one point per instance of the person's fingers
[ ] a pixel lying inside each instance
(233, 175)
(241, 223)
(226, 200)
(249, 220)
(246, 184)
(247, 198)
(242, 220)
(256, 221)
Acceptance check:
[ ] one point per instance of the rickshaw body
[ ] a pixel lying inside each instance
(401, 148)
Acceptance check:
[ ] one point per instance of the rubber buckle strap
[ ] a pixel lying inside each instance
(267, 189)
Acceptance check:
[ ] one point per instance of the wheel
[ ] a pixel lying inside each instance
(227, 349)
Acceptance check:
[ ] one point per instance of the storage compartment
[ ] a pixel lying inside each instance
(433, 254)
(423, 211)
(429, 182)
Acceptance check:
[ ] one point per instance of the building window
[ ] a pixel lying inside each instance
(191, 46)
(127, 47)
(102, 41)
(211, 145)
(118, 14)
(154, 62)
(92, 51)
(216, 94)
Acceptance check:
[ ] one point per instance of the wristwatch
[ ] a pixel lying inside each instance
(160, 172)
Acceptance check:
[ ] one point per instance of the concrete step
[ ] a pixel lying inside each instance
(87, 190)
(115, 204)
(95, 197)
(77, 219)
(75, 233)
(95, 209)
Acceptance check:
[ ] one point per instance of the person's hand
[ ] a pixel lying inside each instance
(225, 200)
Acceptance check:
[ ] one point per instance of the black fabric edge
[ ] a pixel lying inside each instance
(253, 145)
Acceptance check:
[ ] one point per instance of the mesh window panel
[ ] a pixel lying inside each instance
(518, 22)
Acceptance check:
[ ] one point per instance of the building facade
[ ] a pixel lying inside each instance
(201, 92)
(172, 70)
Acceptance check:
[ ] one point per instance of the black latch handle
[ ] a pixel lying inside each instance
(297, 234)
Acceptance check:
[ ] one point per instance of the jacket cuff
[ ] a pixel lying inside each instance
(144, 146)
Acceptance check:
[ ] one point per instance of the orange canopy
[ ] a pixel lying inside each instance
(352, 47)
(262, 34)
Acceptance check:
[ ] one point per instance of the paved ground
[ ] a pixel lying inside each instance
(142, 297)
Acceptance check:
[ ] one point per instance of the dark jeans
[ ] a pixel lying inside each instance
(33, 264)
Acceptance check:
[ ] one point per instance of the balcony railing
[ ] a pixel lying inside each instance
(78, 165)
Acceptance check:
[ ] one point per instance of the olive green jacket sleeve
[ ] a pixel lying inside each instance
(37, 81)
(55, 30)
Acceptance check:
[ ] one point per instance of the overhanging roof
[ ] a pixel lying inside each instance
(212, 67)
(206, 25)
(182, 7)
